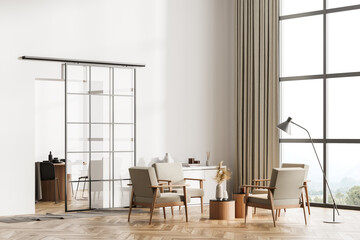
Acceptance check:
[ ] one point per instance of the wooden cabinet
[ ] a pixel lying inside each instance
(205, 172)
(48, 186)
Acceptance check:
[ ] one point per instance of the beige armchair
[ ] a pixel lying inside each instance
(145, 192)
(172, 173)
(259, 182)
(285, 191)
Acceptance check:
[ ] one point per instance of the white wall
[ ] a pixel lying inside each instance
(185, 94)
(49, 117)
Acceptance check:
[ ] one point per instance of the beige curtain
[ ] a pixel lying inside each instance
(257, 90)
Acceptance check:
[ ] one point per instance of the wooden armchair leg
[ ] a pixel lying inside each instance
(246, 202)
(153, 204)
(130, 208)
(272, 206)
(151, 213)
(303, 205)
(172, 211)
(254, 210)
(131, 203)
(307, 198)
(273, 216)
(164, 212)
(185, 201)
(246, 212)
(202, 204)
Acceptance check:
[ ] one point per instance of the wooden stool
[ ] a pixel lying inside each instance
(222, 210)
(239, 205)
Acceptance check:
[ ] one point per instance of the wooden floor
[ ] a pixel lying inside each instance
(290, 226)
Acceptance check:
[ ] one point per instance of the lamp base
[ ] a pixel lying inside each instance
(332, 222)
(333, 215)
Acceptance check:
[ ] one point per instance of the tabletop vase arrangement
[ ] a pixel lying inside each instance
(222, 174)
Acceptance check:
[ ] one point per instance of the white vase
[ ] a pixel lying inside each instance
(225, 195)
(168, 158)
(219, 192)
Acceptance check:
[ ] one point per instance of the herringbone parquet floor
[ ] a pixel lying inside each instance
(290, 226)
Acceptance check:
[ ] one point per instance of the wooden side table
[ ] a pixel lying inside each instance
(222, 210)
(239, 205)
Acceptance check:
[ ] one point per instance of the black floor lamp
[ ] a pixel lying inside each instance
(286, 127)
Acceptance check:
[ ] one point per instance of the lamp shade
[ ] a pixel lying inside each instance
(285, 126)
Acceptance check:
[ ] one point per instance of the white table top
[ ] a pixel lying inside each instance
(198, 167)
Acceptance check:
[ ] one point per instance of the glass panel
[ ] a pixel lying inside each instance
(100, 80)
(343, 173)
(343, 98)
(101, 194)
(100, 137)
(124, 137)
(122, 193)
(123, 81)
(303, 101)
(77, 171)
(77, 108)
(124, 107)
(101, 166)
(299, 6)
(301, 46)
(304, 153)
(343, 42)
(100, 109)
(341, 3)
(77, 137)
(122, 163)
(77, 80)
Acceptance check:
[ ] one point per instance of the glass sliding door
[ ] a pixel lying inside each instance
(100, 135)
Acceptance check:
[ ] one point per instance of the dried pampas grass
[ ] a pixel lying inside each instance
(222, 173)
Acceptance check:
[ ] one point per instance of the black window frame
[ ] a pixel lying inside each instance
(324, 76)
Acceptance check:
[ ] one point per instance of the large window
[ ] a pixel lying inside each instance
(320, 90)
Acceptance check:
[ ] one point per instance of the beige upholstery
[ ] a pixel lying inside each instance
(286, 165)
(263, 199)
(145, 192)
(170, 171)
(290, 165)
(259, 191)
(173, 172)
(142, 178)
(288, 183)
(164, 198)
(285, 191)
(284, 180)
(300, 165)
(192, 192)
